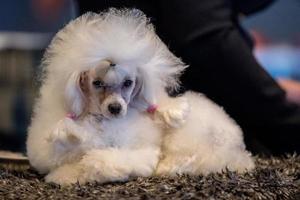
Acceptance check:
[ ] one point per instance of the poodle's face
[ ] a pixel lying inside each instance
(108, 89)
(144, 65)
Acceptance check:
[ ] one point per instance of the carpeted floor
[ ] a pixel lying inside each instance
(275, 178)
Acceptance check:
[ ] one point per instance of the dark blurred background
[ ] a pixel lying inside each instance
(276, 31)
(27, 26)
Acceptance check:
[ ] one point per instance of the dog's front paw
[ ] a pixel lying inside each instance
(64, 175)
(176, 115)
(64, 135)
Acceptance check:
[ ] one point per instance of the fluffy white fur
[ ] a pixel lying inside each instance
(188, 134)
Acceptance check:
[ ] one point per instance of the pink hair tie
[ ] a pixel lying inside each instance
(71, 116)
(152, 108)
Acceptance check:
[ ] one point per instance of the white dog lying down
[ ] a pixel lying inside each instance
(103, 113)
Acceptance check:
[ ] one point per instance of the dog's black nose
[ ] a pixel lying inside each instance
(114, 108)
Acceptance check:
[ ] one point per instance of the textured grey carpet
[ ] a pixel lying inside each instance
(273, 178)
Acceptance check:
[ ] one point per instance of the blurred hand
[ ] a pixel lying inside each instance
(292, 88)
(48, 10)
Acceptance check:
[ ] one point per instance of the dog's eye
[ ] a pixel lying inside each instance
(98, 84)
(127, 83)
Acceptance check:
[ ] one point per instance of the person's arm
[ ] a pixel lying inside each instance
(223, 67)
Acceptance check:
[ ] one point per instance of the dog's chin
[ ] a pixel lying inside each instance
(109, 116)
(102, 116)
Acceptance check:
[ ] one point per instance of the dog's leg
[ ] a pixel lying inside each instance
(65, 140)
(118, 164)
(173, 112)
(67, 132)
(107, 166)
(196, 164)
(65, 175)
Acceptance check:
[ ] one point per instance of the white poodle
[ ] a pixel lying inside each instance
(103, 113)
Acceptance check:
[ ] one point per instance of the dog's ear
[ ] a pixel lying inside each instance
(75, 92)
(143, 95)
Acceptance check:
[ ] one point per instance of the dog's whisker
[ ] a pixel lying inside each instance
(98, 117)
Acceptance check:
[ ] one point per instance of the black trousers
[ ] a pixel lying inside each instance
(207, 36)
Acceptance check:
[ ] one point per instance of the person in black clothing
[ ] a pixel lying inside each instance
(208, 37)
